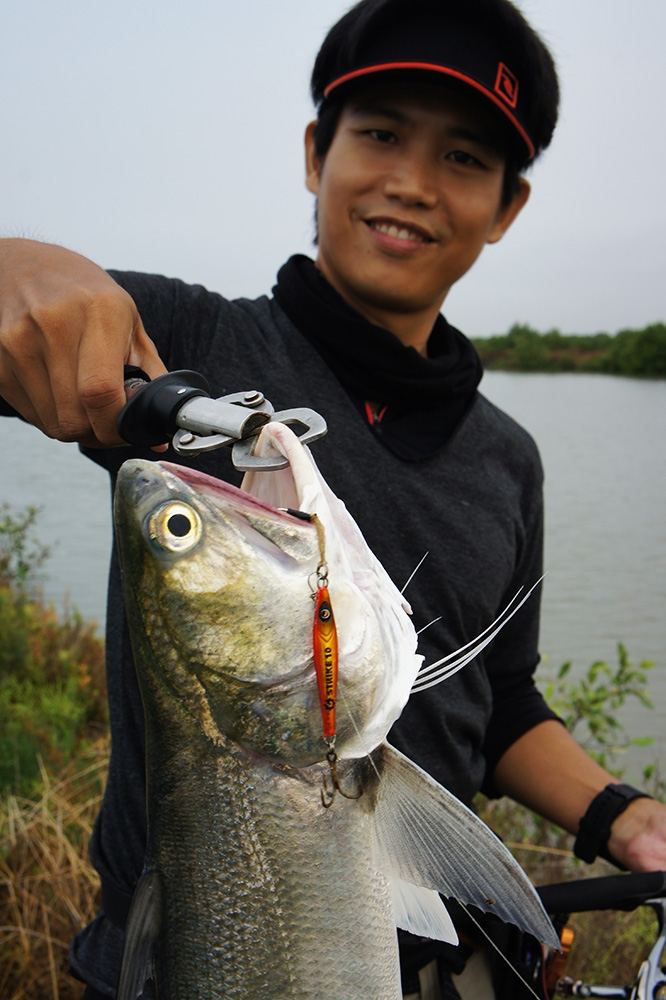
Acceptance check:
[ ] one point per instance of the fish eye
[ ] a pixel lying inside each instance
(175, 527)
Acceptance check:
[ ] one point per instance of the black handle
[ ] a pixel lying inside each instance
(149, 417)
(606, 892)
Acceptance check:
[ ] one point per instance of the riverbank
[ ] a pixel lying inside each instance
(629, 352)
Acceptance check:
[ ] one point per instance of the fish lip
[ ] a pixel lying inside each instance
(195, 478)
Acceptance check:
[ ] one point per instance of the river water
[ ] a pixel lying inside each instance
(603, 445)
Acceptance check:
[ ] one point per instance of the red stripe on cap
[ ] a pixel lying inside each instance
(446, 71)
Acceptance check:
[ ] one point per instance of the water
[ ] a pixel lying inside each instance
(75, 513)
(602, 444)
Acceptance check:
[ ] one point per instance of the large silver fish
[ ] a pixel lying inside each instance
(252, 889)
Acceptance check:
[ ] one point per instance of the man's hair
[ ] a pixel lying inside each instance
(499, 20)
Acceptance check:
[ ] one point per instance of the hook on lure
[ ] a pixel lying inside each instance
(328, 794)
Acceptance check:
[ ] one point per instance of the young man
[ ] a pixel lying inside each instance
(427, 113)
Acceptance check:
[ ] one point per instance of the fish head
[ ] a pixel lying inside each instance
(219, 584)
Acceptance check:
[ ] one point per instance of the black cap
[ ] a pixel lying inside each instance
(453, 48)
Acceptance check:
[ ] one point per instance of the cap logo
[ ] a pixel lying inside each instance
(506, 85)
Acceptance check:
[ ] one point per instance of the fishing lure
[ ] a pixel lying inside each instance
(325, 651)
(325, 647)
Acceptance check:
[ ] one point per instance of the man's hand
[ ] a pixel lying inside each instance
(66, 331)
(550, 773)
(638, 836)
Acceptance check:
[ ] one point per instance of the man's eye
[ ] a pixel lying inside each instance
(381, 135)
(464, 158)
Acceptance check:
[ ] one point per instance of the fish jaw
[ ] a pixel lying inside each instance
(213, 612)
(218, 585)
(219, 602)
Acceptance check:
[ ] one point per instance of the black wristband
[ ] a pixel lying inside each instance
(594, 827)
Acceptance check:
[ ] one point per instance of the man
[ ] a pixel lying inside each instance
(428, 113)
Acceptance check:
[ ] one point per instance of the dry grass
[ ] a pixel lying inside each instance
(47, 887)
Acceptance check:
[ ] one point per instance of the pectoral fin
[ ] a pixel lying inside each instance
(420, 911)
(426, 836)
(143, 925)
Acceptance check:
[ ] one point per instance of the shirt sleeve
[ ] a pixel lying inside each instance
(513, 656)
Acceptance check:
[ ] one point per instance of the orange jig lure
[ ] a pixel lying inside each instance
(325, 645)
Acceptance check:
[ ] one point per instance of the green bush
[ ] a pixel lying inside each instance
(589, 705)
(639, 352)
(52, 692)
(629, 352)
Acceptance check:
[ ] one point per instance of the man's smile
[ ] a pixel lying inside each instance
(398, 229)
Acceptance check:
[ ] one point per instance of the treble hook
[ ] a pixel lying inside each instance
(328, 794)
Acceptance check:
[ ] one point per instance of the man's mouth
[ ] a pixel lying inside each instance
(400, 230)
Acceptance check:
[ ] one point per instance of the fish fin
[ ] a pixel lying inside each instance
(143, 925)
(426, 836)
(420, 911)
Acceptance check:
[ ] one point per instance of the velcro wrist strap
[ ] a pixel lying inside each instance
(603, 810)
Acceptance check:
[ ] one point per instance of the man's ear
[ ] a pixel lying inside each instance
(507, 213)
(312, 162)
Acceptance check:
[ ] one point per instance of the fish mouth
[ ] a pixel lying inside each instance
(287, 487)
(218, 487)
(209, 484)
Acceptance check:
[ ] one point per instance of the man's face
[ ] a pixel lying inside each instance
(408, 195)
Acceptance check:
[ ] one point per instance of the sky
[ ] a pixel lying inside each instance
(166, 137)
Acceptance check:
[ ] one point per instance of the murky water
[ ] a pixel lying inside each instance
(603, 445)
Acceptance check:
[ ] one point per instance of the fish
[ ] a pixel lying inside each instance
(260, 881)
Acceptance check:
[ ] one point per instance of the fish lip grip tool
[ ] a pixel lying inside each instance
(179, 406)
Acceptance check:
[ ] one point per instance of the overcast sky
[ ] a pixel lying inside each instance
(167, 137)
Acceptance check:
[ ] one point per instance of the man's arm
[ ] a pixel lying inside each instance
(66, 332)
(547, 771)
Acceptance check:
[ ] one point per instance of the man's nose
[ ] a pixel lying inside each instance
(413, 181)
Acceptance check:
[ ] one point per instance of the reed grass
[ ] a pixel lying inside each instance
(48, 889)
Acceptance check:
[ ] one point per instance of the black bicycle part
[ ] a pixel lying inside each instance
(607, 892)
(149, 417)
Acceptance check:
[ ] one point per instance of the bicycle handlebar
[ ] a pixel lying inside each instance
(607, 892)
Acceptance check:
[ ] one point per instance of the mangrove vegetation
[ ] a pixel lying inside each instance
(638, 353)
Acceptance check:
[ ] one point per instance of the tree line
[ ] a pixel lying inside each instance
(628, 352)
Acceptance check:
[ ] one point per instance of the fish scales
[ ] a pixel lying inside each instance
(250, 914)
(252, 890)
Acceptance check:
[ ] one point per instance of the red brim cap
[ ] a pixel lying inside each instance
(457, 52)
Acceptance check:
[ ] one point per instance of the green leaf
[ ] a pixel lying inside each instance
(590, 704)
